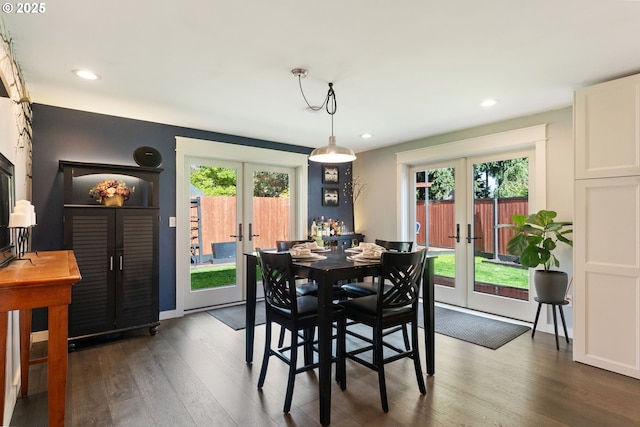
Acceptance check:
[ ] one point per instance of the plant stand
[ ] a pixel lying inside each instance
(555, 319)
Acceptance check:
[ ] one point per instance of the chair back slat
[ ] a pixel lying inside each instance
(277, 280)
(285, 245)
(401, 273)
(395, 245)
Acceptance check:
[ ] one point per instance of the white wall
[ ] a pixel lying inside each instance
(8, 141)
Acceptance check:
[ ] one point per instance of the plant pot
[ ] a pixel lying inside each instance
(551, 286)
(115, 200)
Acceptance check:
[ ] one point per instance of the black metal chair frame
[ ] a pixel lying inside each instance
(358, 289)
(392, 306)
(295, 313)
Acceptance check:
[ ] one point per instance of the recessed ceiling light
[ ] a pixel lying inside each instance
(86, 74)
(488, 102)
(366, 136)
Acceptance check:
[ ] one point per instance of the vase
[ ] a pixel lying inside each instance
(551, 286)
(115, 200)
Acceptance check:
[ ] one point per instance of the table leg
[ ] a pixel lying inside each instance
(325, 309)
(3, 360)
(428, 309)
(25, 349)
(252, 262)
(57, 363)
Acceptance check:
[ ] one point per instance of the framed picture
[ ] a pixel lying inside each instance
(330, 175)
(330, 197)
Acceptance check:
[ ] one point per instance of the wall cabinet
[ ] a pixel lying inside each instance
(607, 226)
(116, 249)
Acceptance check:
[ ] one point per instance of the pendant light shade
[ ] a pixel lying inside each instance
(332, 153)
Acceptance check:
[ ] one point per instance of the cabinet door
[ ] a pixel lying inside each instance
(90, 234)
(607, 274)
(137, 265)
(607, 129)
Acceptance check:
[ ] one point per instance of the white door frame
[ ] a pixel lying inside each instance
(238, 153)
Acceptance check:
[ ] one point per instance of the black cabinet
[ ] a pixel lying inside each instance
(117, 253)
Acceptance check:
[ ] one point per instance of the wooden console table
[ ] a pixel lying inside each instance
(25, 286)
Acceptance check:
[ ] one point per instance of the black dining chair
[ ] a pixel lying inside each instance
(363, 289)
(295, 313)
(395, 304)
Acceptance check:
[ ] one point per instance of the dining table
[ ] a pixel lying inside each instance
(331, 267)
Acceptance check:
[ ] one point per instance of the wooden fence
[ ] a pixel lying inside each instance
(271, 219)
(218, 221)
(441, 220)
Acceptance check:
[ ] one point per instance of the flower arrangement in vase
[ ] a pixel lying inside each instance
(111, 192)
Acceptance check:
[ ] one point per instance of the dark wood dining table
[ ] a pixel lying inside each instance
(336, 267)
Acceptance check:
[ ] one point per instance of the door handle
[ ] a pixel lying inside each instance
(239, 235)
(251, 235)
(469, 238)
(457, 236)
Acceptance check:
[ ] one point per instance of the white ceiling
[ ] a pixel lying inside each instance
(401, 70)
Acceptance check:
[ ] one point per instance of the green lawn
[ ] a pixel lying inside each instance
(214, 277)
(496, 274)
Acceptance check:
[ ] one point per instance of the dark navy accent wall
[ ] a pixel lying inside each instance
(64, 134)
(344, 210)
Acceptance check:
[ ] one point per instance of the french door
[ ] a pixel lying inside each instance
(459, 205)
(235, 208)
(227, 207)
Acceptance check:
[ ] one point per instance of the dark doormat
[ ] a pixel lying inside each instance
(478, 330)
(234, 316)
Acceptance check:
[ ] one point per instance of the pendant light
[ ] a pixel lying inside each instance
(331, 153)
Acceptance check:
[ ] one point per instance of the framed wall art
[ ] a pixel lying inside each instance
(330, 197)
(330, 175)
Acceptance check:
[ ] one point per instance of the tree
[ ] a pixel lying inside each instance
(218, 181)
(214, 181)
(270, 184)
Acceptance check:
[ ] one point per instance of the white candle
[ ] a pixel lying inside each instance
(18, 220)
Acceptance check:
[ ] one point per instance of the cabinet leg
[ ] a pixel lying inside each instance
(153, 330)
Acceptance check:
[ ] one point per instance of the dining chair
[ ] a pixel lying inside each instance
(362, 289)
(295, 313)
(393, 305)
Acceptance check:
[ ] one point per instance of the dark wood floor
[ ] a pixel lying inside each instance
(193, 374)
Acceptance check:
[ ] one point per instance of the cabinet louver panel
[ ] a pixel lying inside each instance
(92, 302)
(139, 270)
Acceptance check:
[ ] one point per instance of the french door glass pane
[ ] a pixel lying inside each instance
(271, 208)
(500, 190)
(213, 208)
(435, 220)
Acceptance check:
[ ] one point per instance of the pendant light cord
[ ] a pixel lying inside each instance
(329, 102)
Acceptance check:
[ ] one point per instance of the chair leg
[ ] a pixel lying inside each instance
(281, 338)
(533, 332)
(267, 354)
(405, 335)
(416, 356)
(378, 361)
(341, 366)
(308, 335)
(293, 363)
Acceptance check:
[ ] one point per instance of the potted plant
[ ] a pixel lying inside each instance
(537, 236)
